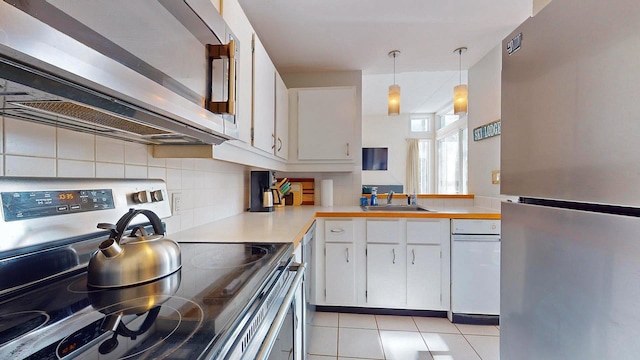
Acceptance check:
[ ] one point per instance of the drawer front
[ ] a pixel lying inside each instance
(338, 231)
(386, 232)
(423, 232)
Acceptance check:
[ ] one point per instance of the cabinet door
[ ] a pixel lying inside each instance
(235, 17)
(282, 119)
(340, 274)
(386, 275)
(326, 122)
(424, 288)
(263, 119)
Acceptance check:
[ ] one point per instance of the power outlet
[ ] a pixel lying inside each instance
(176, 203)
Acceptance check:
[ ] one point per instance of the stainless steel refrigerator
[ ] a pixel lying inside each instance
(570, 150)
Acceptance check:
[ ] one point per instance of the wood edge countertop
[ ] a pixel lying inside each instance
(426, 196)
(290, 223)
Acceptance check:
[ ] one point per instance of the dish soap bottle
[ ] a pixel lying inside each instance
(374, 196)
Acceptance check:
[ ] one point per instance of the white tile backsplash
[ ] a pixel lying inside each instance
(157, 173)
(135, 172)
(74, 168)
(75, 145)
(30, 139)
(108, 170)
(34, 150)
(109, 150)
(29, 166)
(174, 179)
(135, 154)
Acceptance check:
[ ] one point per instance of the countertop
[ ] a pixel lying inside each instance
(289, 223)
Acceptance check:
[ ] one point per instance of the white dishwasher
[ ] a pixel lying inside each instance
(475, 271)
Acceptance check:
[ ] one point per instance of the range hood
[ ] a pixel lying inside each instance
(57, 70)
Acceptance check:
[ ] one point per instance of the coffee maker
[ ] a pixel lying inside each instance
(262, 193)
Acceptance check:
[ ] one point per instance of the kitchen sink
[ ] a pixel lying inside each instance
(394, 207)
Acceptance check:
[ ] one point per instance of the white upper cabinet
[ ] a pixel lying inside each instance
(238, 22)
(326, 123)
(264, 89)
(282, 119)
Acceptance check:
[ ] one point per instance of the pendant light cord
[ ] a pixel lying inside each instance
(460, 64)
(394, 68)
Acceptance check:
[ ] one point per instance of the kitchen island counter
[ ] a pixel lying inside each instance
(289, 223)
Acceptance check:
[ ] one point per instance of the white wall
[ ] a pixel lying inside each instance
(391, 132)
(210, 189)
(346, 185)
(484, 107)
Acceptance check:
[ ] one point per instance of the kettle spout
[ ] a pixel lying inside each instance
(110, 248)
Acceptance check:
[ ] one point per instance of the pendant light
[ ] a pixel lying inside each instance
(394, 90)
(460, 92)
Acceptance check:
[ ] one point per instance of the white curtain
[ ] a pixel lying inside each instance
(413, 167)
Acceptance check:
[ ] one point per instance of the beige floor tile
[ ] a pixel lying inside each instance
(360, 321)
(488, 347)
(404, 345)
(478, 329)
(325, 319)
(401, 323)
(363, 343)
(435, 325)
(449, 347)
(323, 340)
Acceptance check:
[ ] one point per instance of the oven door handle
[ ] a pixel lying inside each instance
(272, 335)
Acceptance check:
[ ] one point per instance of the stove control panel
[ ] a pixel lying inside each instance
(22, 205)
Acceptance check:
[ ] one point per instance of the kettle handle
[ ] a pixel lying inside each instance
(123, 223)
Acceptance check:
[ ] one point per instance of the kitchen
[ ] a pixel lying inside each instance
(40, 151)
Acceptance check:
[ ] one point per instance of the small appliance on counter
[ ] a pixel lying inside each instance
(263, 194)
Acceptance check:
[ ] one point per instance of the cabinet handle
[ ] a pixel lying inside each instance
(347, 149)
(394, 255)
(274, 141)
(413, 252)
(337, 231)
(347, 252)
(280, 144)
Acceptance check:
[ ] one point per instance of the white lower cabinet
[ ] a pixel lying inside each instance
(424, 290)
(340, 273)
(386, 273)
(383, 263)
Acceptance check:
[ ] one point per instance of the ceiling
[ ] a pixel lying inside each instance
(337, 35)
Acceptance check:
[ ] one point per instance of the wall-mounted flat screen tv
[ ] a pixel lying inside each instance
(375, 158)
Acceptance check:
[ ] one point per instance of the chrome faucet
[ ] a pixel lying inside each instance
(389, 197)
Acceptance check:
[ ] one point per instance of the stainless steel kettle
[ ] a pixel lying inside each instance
(134, 259)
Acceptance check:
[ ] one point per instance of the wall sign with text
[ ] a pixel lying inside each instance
(486, 131)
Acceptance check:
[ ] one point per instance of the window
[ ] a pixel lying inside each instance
(451, 148)
(442, 153)
(421, 123)
(426, 161)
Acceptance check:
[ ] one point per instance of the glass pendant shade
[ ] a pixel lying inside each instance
(460, 99)
(394, 99)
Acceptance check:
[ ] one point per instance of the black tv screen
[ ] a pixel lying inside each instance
(374, 158)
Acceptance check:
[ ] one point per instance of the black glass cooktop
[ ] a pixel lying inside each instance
(181, 316)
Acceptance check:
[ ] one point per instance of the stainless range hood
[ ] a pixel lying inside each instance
(56, 68)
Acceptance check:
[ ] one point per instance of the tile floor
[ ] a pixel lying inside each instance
(338, 336)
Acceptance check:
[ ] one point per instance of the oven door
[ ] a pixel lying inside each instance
(270, 331)
(281, 342)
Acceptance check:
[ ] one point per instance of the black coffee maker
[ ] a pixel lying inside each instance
(262, 194)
